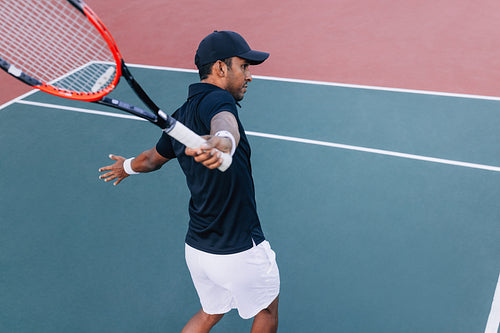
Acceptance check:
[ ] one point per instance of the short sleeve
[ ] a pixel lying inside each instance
(216, 102)
(164, 146)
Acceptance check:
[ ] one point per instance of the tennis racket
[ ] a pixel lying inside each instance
(62, 48)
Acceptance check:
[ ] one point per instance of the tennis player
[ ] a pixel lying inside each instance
(231, 263)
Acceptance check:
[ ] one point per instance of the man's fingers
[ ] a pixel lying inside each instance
(214, 159)
(208, 157)
(113, 172)
(216, 164)
(192, 152)
(107, 175)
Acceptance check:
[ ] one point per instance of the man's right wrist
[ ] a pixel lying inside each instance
(127, 166)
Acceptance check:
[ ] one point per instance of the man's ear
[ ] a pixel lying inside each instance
(221, 68)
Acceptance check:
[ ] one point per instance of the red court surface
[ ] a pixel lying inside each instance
(438, 45)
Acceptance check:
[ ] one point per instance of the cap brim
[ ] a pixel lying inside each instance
(254, 57)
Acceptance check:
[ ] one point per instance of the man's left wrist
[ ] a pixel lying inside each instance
(227, 134)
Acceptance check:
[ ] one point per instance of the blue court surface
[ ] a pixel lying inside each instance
(383, 207)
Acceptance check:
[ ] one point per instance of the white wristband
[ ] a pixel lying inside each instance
(127, 167)
(228, 135)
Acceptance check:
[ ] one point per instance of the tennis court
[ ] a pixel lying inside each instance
(382, 204)
(384, 221)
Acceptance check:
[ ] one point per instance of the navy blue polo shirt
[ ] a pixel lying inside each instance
(222, 209)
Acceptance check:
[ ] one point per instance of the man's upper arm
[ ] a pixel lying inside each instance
(164, 146)
(225, 121)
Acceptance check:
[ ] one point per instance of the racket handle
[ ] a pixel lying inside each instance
(192, 140)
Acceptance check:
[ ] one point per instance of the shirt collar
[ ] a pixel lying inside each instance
(203, 88)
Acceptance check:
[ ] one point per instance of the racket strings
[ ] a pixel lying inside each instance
(55, 43)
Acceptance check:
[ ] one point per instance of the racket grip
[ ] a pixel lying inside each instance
(192, 140)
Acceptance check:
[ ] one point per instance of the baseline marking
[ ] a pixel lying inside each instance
(293, 139)
(333, 84)
(322, 83)
(494, 317)
(17, 99)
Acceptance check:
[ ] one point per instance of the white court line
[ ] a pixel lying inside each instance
(398, 90)
(17, 99)
(322, 83)
(334, 84)
(293, 139)
(494, 317)
(378, 151)
(69, 108)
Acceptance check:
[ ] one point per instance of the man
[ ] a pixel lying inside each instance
(230, 262)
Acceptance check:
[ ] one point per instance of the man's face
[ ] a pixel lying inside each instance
(238, 77)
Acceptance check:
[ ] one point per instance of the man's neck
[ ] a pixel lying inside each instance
(214, 81)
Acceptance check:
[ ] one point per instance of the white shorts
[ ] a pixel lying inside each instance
(248, 281)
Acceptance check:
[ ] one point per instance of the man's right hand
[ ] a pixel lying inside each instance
(209, 153)
(115, 171)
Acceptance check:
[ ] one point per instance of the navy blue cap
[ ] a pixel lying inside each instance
(221, 45)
